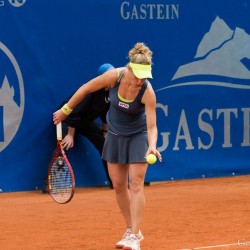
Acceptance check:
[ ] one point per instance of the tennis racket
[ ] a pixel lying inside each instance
(61, 180)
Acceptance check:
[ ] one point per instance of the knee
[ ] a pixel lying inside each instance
(136, 185)
(120, 188)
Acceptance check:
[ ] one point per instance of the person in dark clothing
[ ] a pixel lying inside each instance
(84, 120)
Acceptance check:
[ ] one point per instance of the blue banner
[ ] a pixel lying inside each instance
(201, 75)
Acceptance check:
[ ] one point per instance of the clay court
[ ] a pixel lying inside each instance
(190, 214)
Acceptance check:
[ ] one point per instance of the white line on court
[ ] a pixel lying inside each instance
(215, 246)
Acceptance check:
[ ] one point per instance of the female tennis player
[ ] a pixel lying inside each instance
(132, 134)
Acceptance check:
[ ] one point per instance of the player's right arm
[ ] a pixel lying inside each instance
(107, 79)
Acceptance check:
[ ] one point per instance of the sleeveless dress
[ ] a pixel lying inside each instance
(127, 138)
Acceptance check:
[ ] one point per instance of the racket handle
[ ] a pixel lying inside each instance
(59, 131)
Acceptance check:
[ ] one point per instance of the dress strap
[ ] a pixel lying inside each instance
(144, 87)
(120, 74)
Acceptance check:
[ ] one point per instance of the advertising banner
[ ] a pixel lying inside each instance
(201, 76)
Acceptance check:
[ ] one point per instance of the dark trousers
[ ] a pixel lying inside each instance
(94, 133)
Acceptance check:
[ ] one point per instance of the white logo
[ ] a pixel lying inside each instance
(106, 99)
(17, 3)
(220, 53)
(11, 100)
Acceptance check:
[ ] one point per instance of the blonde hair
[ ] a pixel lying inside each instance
(140, 54)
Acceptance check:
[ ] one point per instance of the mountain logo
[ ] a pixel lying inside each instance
(11, 96)
(222, 55)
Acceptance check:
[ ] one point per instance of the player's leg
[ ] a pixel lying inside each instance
(119, 176)
(137, 173)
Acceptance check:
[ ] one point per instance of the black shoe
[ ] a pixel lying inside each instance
(146, 183)
(45, 190)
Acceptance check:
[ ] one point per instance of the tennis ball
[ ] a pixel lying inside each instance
(151, 159)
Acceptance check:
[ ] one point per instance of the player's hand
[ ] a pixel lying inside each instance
(68, 142)
(155, 152)
(58, 116)
(158, 154)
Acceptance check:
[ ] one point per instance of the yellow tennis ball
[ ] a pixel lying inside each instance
(151, 159)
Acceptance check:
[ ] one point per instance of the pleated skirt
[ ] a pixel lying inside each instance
(125, 149)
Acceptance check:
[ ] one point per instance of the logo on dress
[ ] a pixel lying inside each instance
(124, 105)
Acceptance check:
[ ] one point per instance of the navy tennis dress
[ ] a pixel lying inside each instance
(127, 139)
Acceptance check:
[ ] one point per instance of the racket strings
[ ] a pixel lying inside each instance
(60, 181)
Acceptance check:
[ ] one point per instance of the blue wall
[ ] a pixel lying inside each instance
(201, 78)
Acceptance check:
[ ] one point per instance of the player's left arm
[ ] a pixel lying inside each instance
(149, 99)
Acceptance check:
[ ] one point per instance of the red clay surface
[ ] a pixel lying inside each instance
(193, 214)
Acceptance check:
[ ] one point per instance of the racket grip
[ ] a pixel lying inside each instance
(59, 131)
